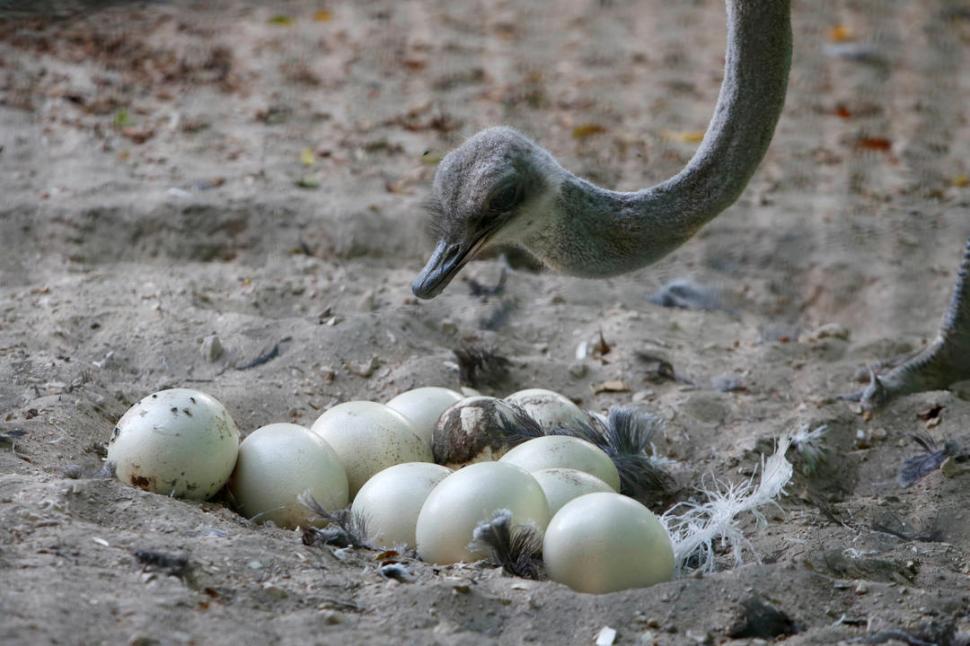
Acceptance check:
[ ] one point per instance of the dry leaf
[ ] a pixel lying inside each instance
(874, 143)
(842, 111)
(961, 181)
(308, 181)
(585, 130)
(684, 136)
(613, 386)
(431, 158)
(280, 20)
(307, 158)
(322, 15)
(388, 556)
(840, 34)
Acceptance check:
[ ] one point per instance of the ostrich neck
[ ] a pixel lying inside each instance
(601, 232)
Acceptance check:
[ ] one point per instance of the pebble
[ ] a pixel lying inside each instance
(578, 369)
(606, 636)
(212, 348)
(830, 331)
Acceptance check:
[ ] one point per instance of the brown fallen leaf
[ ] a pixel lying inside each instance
(138, 135)
(930, 413)
(841, 34)
(612, 386)
(601, 347)
(322, 15)
(684, 136)
(585, 130)
(874, 143)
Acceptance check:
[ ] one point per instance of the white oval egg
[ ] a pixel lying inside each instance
(604, 542)
(477, 429)
(277, 463)
(470, 496)
(176, 442)
(554, 451)
(423, 406)
(369, 437)
(550, 409)
(389, 503)
(562, 485)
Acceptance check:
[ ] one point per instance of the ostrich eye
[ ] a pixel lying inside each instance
(505, 199)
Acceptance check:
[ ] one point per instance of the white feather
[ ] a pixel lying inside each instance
(695, 527)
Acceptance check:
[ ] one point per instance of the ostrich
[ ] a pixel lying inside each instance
(500, 188)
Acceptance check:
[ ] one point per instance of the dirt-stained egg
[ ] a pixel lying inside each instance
(276, 464)
(605, 542)
(178, 442)
(423, 406)
(369, 437)
(553, 451)
(389, 503)
(478, 429)
(562, 485)
(550, 409)
(470, 496)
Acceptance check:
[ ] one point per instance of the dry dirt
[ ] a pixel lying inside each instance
(173, 170)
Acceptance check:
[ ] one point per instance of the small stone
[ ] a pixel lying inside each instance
(368, 301)
(254, 565)
(449, 327)
(274, 591)
(212, 348)
(327, 374)
(862, 587)
(606, 636)
(642, 395)
(71, 471)
(830, 331)
(612, 386)
(955, 465)
(366, 369)
(460, 586)
(578, 369)
(332, 618)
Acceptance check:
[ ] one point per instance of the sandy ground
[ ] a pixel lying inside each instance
(180, 169)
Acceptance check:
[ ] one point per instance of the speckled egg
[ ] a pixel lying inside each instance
(564, 451)
(176, 442)
(550, 409)
(562, 485)
(478, 429)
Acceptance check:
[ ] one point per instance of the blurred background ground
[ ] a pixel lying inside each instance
(176, 170)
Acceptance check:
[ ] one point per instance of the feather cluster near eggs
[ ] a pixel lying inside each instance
(531, 481)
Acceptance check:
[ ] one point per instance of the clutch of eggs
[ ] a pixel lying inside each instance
(380, 457)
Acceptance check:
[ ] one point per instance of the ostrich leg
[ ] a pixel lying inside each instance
(943, 362)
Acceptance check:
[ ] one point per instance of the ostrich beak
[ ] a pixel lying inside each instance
(445, 262)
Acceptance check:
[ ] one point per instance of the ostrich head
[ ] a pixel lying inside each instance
(489, 191)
